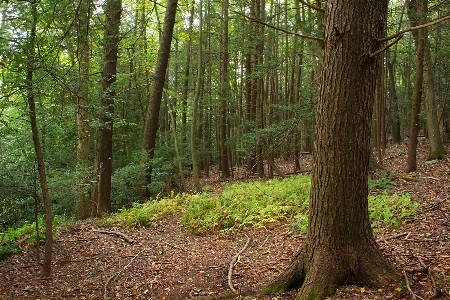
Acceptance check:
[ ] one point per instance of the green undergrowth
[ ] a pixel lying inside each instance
(16, 239)
(146, 213)
(388, 211)
(255, 204)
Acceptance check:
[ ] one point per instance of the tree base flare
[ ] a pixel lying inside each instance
(319, 275)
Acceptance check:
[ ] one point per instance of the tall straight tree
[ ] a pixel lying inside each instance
(434, 137)
(31, 55)
(154, 101)
(83, 18)
(224, 95)
(195, 105)
(340, 247)
(101, 190)
(413, 7)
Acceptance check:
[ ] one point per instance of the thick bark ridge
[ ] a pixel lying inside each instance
(340, 247)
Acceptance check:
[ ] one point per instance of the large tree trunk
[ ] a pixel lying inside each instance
(101, 190)
(31, 53)
(154, 101)
(340, 247)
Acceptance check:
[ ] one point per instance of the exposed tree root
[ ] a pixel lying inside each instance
(319, 276)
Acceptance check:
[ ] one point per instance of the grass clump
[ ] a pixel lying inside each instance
(253, 204)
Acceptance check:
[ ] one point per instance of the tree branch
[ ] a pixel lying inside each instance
(387, 46)
(319, 9)
(400, 34)
(415, 28)
(280, 29)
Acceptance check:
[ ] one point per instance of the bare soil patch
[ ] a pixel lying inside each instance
(165, 262)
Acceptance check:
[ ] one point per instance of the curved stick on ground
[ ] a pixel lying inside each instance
(105, 290)
(233, 261)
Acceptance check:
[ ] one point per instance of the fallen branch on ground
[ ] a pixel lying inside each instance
(433, 206)
(408, 286)
(392, 237)
(233, 261)
(114, 232)
(105, 294)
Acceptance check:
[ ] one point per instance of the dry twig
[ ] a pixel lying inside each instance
(435, 291)
(114, 232)
(233, 261)
(408, 286)
(392, 237)
(105, 292)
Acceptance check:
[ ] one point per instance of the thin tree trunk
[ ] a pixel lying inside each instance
(197, 96)
(395, 117)
(418, 87)
(436, 145)
(83, 18)
(187, 73)
(154, 101)
(224, 96)
(47, 266)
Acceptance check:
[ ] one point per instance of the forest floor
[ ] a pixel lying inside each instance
(165, 262)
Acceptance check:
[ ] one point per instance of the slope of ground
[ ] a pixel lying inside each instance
(164, 262)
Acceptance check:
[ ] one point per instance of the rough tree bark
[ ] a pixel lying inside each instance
(101, 189)
(154, 101)
(340, 246)
(418, 86)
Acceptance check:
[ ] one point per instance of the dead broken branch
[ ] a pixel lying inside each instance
(233, 261)
(114, 232)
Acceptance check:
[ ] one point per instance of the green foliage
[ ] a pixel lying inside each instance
(145, 214)
(26, 234)
(388, 211)
(125, 184)
(253, 204)
(384, 181)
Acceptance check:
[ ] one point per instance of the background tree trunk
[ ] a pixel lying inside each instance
(82, 97)
(197, 96)
(101, 191)
(154, 102)
(418, 86)
(224, 97)
(340, 247)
